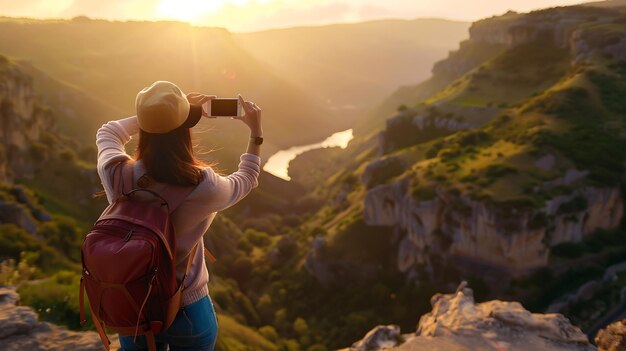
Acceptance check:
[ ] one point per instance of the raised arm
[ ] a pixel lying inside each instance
(110, 140)
(225, 191)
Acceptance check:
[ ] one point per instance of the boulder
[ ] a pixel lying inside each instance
(20, 330)
(613, 338)
(379, 338)
(457, 323)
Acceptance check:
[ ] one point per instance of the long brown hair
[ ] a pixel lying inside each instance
(169, 157)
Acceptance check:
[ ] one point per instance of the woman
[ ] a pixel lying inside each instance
(165, 156)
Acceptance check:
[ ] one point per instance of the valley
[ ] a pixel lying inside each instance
(504, 169)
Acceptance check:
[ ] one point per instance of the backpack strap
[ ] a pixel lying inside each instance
(209, 255)
(176, 195)
(173, 194)
(192, 255)
(127, 178)
(122, 178)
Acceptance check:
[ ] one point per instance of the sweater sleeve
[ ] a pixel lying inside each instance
(110, 140)
(225, 191)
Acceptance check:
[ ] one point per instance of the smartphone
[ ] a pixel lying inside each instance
(223, 108)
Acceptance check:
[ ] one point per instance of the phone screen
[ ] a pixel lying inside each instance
(224, 107)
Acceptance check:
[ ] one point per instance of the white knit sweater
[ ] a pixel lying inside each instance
(192, 219)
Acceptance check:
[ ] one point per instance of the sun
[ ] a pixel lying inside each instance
(189, 10)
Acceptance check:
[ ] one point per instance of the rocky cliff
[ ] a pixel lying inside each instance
(560, 27)
(455, 225)
(557, 26)
(457, 323)
(22, 121)
(20, 330)
(613, 338)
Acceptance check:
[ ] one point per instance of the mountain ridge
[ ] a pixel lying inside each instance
(356, 52)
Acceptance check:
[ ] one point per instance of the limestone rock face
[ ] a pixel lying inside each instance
(17, 214)
(560, 27)
(512, 239)
(557, 26)
(22, 120)
(613, 338)
(457, 323)
(379, 338)
(20, 330)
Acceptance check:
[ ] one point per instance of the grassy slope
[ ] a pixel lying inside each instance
(532, 84)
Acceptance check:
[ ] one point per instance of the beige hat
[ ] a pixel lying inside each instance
(161, 107)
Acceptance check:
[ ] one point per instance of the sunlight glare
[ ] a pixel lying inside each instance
(190, 10)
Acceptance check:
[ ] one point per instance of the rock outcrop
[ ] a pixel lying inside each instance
(457, 323)
(560, 27)
(557, 26)
(22, 120)
(20, 330)
(455, 225)
(613, 338)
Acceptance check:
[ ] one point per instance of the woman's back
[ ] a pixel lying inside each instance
(165, 159)
(194, 216)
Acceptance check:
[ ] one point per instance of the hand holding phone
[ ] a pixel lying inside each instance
(222, 107)
(252, 116)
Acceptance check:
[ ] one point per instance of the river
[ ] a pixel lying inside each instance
(278, 163)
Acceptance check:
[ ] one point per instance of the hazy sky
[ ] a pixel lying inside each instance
(247, 15)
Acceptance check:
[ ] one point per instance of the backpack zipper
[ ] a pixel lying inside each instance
(129, 234)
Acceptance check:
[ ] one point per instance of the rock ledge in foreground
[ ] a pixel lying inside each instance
(457, 323)
(20, 330)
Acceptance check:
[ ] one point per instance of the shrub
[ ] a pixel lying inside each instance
(568, 250)
(241, 269)
(257, 238)
(473, 138)
(37, 152)
(300, 326)
(68, 156)
(12, 273)
(63, 234)
(434, 149)
(499, 170)
(287, 247)
(384, 170)
(244, 245)
(577, 204)
(56, 298)
(424, 193)
(449, 154)
(611, 90)
(269, 333)
(539, 220)
(14, 240)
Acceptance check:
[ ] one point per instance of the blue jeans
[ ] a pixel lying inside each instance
(195, 328)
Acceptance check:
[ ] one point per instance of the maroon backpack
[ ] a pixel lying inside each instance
(129, 262)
